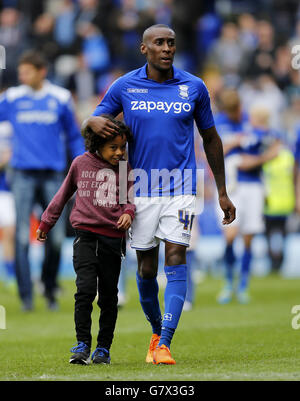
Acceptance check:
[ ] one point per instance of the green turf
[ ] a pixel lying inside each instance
(231, 342)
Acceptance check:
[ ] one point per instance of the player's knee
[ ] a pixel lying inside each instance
(175, 257)
(147, 271)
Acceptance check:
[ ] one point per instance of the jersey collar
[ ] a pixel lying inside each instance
(39, 94)
(176, 77)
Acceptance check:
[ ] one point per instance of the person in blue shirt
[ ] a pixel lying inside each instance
(248, 144)
(44, 128)
(160, 104)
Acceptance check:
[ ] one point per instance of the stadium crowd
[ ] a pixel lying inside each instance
(238, 44)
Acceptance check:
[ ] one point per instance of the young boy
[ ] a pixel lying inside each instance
(100, 222)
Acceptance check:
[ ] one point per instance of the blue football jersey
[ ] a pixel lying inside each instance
(161, 117)
(256, 142)
(44, 126)
(228, 129)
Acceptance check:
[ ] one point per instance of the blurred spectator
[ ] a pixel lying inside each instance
(31, 9)
(208, 29)
(228, 54)
(264, 91)
(247, 27)
(43, 39)
(163, 12)
(82, 81)
(291, 116)
(94, 48)
(282, 66)
(83, 86)
(64, 31)
(185, 14)
(13, 36)
(295, 39)
(215, 83)
(129, 23)
(263, 58)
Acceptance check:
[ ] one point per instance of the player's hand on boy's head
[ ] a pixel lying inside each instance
(124, 222)
(228, 208)
(102, 126)
(41, 235)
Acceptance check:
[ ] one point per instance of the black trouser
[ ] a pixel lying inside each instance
(276, 225)
(97, 263)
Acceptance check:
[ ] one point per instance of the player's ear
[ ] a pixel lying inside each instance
(143, 48)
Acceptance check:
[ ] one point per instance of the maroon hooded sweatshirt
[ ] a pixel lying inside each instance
(96, 207)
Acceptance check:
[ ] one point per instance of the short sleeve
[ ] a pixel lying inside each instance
(111, 102)
(203, 114)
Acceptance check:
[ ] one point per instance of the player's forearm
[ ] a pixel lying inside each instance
(213, 148)
(249, 162)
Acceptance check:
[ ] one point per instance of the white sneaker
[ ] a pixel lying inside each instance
(187, 306)
(225, 296)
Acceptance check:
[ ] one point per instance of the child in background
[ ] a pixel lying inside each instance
(100, 222)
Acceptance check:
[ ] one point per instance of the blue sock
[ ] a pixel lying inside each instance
(245, 270)
(229, 259)
(175, 293)
(190, 255)
(10, 269)
(148, 290)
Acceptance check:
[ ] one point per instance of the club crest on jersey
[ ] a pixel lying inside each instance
(183, 91)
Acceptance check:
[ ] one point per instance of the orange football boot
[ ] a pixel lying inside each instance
(162, 355)
(153, 344)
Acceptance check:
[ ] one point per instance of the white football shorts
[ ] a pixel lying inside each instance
(162, 218)
(7, 209)
(248, 198)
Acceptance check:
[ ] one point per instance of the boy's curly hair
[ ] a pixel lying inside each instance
(93, 141)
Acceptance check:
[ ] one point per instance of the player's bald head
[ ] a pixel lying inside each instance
(154, 30)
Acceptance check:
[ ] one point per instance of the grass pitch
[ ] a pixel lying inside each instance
(212, 342)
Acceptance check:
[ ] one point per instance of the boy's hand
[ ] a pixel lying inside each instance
(40, 235)
(124, 222)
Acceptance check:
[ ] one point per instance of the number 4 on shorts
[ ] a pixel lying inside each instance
(184, 218)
